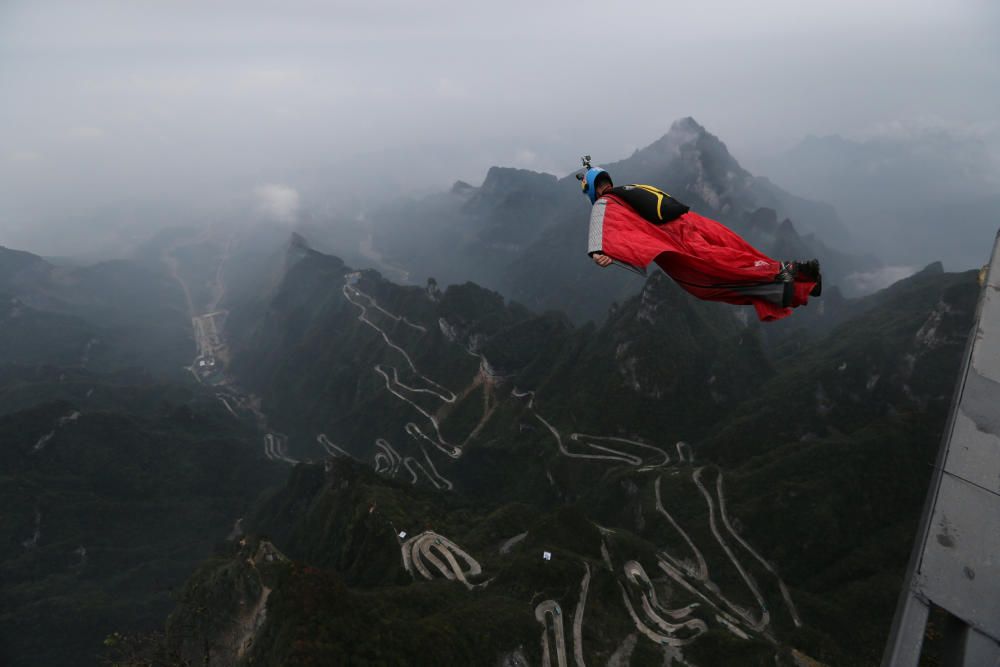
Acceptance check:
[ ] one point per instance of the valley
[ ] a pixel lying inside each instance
(484, 482)
(697, 572)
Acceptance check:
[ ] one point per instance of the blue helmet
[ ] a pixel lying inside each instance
(588, 182)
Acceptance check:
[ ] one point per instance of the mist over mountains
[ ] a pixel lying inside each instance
(917, 195)
(521, 232)
(498, 408)
(303, 361)
(876, 209)
(431, 431)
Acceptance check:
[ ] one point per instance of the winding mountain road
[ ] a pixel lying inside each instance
(544, 612)
(411, 428)
(392, 316)
(348, 291)
(225, 402)
(430, 548)
(390, 462)
(679, 577)
(409, 463)
(698, 569)
(694, 576)
(753, 552)
(509, 544)
(610, 453)
(765, 615)
(62, 421)
(585, 439)
(276, 448)
(330, 448)
(690, 628)
(578, 618)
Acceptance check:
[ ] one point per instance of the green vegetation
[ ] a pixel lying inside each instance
(821, 445)
(823, 449)
(108, 516)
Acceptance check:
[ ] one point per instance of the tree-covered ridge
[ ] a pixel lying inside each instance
(625, 451)
(109, 500)
(523, 233)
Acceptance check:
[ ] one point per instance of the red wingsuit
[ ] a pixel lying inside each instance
(703, 256)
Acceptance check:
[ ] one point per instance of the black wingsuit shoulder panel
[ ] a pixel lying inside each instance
(651, 203)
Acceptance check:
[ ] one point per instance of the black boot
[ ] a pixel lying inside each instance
(809, 272)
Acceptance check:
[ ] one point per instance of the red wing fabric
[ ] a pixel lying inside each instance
(705, 257)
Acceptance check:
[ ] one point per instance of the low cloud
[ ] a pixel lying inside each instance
(270, 79)
(86, 132)
(525, 158)
(278, 202)
(449, 89)
(24, 156)
(866, 282)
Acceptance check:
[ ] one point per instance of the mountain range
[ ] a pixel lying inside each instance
(234, 448)
(913, 195)
(523, 233)
(667, 460)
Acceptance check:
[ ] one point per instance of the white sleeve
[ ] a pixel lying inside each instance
(595, 242)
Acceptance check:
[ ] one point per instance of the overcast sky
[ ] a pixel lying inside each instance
(101, 101)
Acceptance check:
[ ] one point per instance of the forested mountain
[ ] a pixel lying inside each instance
(349, 470)
(118, 473)
(697, 493)
(912, 195)
(524, 233)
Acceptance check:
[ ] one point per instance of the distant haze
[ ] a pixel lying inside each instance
(150, 105)
(278, 202)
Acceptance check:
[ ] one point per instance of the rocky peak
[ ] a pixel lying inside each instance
(786, 230)
(692, 164)
(763, 220)
(932, 269)
(297, 241)
(463, 189)
(15, 263)
(297, 249)
(683, 131)
(687, 139)
(502, 180)
(509, 199)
